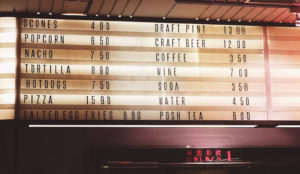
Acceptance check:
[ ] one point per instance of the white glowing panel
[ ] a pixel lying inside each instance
(8, 44)
(284, 64)
(8, 37)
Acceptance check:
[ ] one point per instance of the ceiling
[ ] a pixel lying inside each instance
(232, 11)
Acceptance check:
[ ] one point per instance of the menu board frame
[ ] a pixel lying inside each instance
(257, 122)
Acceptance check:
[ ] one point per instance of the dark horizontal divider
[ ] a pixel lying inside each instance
(259, 124)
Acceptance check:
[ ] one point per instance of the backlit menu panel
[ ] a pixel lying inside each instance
(284, 45)
(112, 70)
(8, 34)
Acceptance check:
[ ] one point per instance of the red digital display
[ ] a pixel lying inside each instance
(208, 155)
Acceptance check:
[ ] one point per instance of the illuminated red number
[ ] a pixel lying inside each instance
(199, 155)
(218, 154)
(208, 153)
(189, 156)
(229, 155)
(195, 159)
(209, 156)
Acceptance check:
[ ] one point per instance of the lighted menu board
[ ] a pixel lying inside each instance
(116, 70)
(284, 48)
(8, 35)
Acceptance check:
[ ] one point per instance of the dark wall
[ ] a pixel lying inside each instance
(49, 151)
(194, 137)
(64, 150)
(7, 147)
